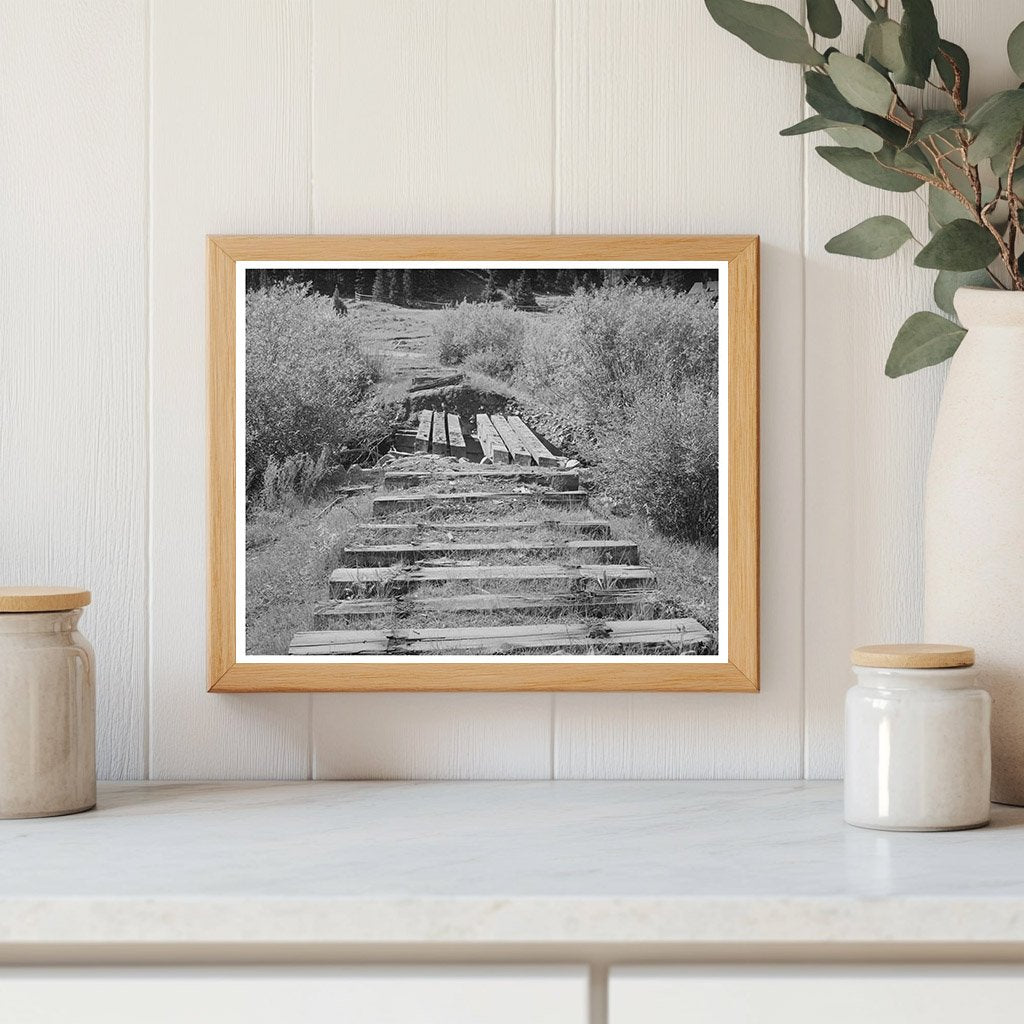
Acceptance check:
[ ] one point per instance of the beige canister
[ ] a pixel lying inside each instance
(47, 704)
(918, 755)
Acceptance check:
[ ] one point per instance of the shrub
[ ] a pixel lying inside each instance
(626, 377)
(490, 334)
(308, 379)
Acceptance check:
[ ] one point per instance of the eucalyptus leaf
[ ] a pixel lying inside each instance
(997, 124)
(926, 339)
(860, 85)
(824, 18)
(882, 44)
(951, 55)
(769, 31)
(919, 38)
(866, 168)
(944, 208)
(825, 98)
(934, 122)
(864, 7)
(947, 282)
(960, 245)
(912, 158)
(892, 133)
(872, 239)
(817, 123)
(856, 136)
(1015, 50)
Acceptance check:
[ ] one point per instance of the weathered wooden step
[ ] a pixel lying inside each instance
(423, 431)
(555, 479)
(456, 442)
(678, 634)
(619, 552)
(512, 441)
(329, 614)
(439, 435)
(492, 445)
(428, 383)
(540, 453)
(596, 528)
(397, 579)
(389, 504)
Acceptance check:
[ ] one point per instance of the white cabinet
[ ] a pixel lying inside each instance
(836, 995)
(472, 995)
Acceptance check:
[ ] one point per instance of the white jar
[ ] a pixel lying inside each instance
(918, 749)
(47, 704)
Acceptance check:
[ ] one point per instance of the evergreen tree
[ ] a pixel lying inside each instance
(380, 286)
(490, 292)
(364, 282)
(524, 296)
(564, 281)
(408, 287)
(395, 287)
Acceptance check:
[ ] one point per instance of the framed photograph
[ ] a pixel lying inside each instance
(483, 463)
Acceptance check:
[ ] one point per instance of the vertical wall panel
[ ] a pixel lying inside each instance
(868, 437)
(73, 332)
(432, 117)
(230, 153)
(668, 125)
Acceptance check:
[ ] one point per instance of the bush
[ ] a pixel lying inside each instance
(627, 378)
(308, 378)
(486, 333)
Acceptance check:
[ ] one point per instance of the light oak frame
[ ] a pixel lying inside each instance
(739, 674)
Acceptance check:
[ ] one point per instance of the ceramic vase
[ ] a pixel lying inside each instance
(974, 518)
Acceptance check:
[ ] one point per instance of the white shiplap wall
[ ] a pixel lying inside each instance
(133, 129)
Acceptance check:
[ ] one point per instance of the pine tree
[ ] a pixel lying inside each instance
(380, 286)
(364, 282)
(395, 287)
(490, 291)
(564, 281)
(524, 296)
(408, 287)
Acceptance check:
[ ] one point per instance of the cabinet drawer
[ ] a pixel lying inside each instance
(294, 996)
(785, 995)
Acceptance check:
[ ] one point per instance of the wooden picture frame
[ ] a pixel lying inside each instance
(738, 669)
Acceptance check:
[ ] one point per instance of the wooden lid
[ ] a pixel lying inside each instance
(42, 599)
(913, 656)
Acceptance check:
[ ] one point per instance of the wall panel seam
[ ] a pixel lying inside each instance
(147, 661)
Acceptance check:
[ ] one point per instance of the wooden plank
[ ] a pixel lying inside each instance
(494, 448)
(605, 602)
(513, 442)
(331, 613)
(429, 383)
(456, 442)
(596, 528)
(590, 551)
(422, 443)
(390, 504)
(396, 579)
(541, 454)
(679, 634)
(439, 435)
(556, 480)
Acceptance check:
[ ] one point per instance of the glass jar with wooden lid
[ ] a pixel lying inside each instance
(47, 704)
(918, 748)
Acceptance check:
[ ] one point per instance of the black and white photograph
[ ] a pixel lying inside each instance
(459, 461)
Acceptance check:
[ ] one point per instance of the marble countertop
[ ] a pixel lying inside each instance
(500, 862)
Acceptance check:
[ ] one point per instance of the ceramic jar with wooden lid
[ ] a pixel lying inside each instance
(47, 704)
(918, 748)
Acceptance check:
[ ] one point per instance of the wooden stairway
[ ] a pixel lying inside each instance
(464, 557)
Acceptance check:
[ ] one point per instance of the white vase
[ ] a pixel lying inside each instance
(974, 518)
